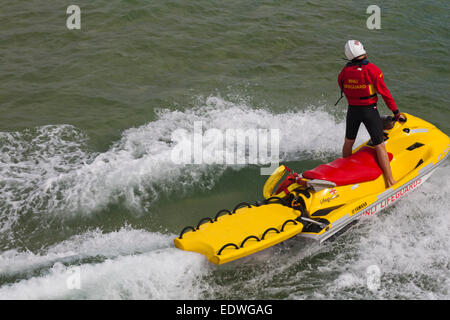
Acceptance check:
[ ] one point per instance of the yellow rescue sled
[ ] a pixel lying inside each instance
(238, 233)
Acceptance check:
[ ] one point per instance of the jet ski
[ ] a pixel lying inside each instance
(322, 202)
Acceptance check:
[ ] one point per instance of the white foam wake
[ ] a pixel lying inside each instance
(408, 243)
(135, 265)
(49, 169)
(91, 244)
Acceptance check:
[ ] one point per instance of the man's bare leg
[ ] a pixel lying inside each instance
(383, 161)
(347, 148)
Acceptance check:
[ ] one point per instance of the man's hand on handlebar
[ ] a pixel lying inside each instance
(400, 117)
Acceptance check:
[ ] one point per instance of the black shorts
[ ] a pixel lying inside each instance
(370, 117)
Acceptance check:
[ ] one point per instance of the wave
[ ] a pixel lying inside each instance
(51, 170)
(134, 264)
(408, 243)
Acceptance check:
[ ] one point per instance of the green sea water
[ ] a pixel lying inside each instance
(86, 123)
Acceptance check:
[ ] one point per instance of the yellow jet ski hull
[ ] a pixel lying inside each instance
(418, 148)
(319, 209)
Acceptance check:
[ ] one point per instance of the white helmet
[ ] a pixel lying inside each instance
(354, 49)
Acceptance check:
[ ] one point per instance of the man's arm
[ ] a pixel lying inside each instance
(377, 80)
(340, 76)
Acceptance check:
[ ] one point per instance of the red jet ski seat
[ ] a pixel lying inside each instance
(361, 166)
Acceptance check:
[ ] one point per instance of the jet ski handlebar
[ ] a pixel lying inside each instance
(389, 121)
(400, 120)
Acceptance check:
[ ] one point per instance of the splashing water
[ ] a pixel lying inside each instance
(50, 170)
